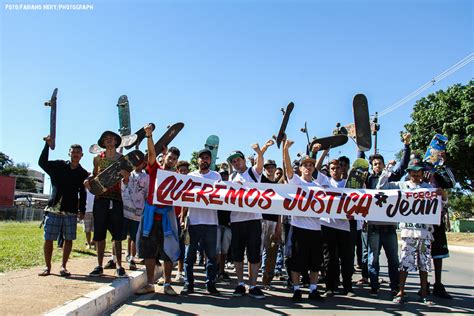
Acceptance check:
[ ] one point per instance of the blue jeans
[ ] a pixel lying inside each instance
(365, 255)
(206, 235)
(383, 236)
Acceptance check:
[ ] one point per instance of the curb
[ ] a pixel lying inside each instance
(105, 298)
(463, 249)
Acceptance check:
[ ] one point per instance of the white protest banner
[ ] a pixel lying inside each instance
(421, 206)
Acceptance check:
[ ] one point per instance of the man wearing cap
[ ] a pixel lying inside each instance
(306, 250)
(158, 224)
(224, 235)
(416, 238)
(271, 230)
(66, 204)
(247, 227)
(337, 241)
(202, 229)
(108, 206)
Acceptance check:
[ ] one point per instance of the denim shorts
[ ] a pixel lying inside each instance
(55, 224)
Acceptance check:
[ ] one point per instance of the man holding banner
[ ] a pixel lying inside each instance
(416, 237)
(247, 227)
(202, 229)
(306, 241)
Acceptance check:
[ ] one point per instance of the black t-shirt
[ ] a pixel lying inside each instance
(67, 183)
(223, 218)
(270, 217)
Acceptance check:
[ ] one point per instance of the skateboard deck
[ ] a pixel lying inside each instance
(437, 145)
(358, 174)
(305, 130)
(140, 136)
(126, 141)
(52, 118)
(124, 116)
(329, 142)
(284, 123)
(270, 263)
(212, 143)
(110, 176)
(363, 135)
(167, 137)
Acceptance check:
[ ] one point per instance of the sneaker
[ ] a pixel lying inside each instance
(179, 278)
(362, 281)
(98, 271)
(149, 288)
(297, 295)
(329, 293)
(187, 289)
(120, 273)
(348, 293)
(425, 301)
(239, 291)
(168, 290)
(132, 266)
(160, 281)
(211, 289)
(110, 265)
(375, 292)
(255, 292)
(440, 291)
(224, 277)
(399, 299)
(315, 296)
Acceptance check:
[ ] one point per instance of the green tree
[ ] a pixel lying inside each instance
(194, 161)
(24, 182)
(461, 205)
(449, 113)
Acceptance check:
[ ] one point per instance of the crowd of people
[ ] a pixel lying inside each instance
(305, 251)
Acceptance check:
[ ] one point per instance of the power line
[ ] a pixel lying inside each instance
(460, 64)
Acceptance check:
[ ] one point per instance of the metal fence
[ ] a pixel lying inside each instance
(21, 214)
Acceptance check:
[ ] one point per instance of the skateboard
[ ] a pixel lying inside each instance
(305, 130)
(329, 142)
(358, 174)
(110, 176)
(286, 116)
(435, 163)
(140, 136)
(437, 145)
(362, 122)
(168, 136)
(270, 263)
(124, 116)
(212, 143)
(126, 141)
(52, 118)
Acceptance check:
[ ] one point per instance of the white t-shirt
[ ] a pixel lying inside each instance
(203, 216)
(134, 194)
(244, 216)
(89, 202)
(341, 224)
(305, 222)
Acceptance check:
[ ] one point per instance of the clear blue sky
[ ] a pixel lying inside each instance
(222, 67)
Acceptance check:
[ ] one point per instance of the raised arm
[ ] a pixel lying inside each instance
(286, 159)
(260, 151)
(150, 145)
(400, 169)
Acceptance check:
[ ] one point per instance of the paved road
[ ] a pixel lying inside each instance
(458, 276)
